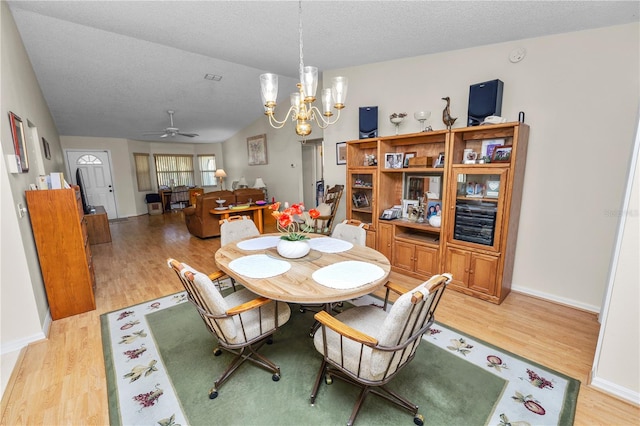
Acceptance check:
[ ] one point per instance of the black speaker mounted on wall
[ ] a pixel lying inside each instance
(368, 122)
(485, 99)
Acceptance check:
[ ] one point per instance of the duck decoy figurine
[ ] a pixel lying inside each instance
(446, 115)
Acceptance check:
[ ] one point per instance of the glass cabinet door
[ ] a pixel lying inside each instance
(476, 207)
(361, 203)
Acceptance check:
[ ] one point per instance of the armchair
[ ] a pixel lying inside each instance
(367, 347)
(242, 321)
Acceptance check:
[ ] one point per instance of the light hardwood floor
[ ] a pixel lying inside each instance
(61, 380)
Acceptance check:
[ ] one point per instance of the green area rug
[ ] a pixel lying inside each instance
(160, 367)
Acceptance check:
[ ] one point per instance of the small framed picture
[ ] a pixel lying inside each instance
(433, 208)
(360, 200)
(46, 148)
(407, 207)
(406, 158)
(393, 160)
(341, 153)
(440, 160)
(488, 146)
(502, 154)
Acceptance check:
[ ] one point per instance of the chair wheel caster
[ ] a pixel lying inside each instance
(217, 352)
(275, 377)
(213, 393)
(269, 341)
(418, 419)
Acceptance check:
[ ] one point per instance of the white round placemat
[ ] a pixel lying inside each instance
(330, 245)
(259, 243)
(348, 274)
(259, 266)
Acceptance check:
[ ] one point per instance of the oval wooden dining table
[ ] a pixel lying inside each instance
(297, 285)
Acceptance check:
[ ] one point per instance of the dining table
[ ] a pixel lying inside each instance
(333, 271)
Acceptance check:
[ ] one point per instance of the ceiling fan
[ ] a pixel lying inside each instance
(171, 130)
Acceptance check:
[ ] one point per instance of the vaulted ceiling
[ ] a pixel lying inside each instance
(114, 68)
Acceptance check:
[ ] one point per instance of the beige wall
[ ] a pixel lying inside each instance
(23, 304)
(579, 92)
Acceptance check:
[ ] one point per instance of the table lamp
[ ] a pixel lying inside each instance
(243, 183)
(259, 184)
(220, 174)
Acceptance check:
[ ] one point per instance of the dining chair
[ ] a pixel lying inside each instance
(351, 230)
(242, 321)
(233, 229)
(368, 346)
(323, 224)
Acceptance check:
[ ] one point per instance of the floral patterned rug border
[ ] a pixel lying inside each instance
(533, 394)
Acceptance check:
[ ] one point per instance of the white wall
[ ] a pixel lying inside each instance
(579, 92)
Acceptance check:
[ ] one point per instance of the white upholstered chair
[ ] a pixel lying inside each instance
(242, 321)
(233, 229)
(236, 228)
(352, 231)
(367, 346)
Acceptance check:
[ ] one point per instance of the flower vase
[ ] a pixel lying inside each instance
(293, 249)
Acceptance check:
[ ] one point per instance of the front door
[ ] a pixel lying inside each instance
(96, 169)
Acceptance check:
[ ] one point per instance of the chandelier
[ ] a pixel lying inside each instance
(302, 110)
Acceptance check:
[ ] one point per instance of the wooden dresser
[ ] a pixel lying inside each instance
(60, 231)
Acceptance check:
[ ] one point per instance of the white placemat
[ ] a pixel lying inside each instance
(259, 266)
(348, 274)
(329, 245)
(259, 243)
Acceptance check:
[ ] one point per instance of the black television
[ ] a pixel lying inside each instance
(83, 192)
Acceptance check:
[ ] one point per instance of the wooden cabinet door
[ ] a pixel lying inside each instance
(483, 272)
(426, 260)
(371, 239)
(385, 240)
(403, 256)
(457, 263)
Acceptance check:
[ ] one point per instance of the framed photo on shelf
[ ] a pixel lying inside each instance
(360, 200)
(488, 146)
(257, 150)
(439, 160)
(407, 207)
(408, 155)
(393, 160)
(341, 153)
(502, 154)
(433, 207)
(19, 142)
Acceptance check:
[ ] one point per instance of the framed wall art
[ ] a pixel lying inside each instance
(257, 150)
(341, 153)
(19, 142)
(46, 148)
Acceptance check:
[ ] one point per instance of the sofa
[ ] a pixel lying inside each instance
(203, 224)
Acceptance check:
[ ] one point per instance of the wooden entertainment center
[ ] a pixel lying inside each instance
(479, 202)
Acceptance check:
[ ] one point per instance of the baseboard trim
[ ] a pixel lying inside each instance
(553, 298)
(615, 390)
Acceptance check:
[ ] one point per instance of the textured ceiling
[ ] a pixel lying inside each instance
(113, 68)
